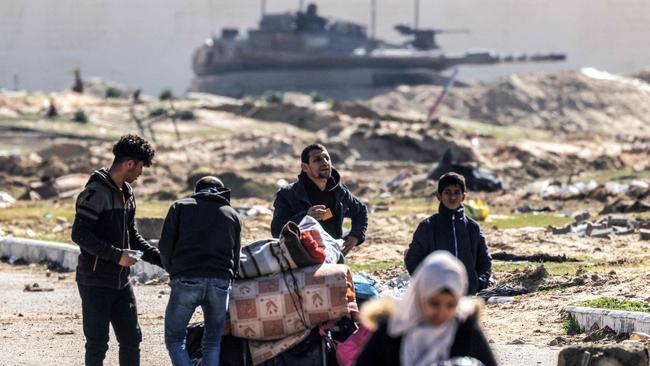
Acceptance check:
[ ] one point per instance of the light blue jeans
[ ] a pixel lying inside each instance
(188, 293)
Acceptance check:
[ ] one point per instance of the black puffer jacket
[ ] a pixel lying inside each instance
(292, 202)
(201, 236)
(457, 234)
(104, 224)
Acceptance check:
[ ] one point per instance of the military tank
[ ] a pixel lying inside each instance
(305, 52)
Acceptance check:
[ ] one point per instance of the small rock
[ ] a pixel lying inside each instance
(47, 273)
(64, 332)
(61, 220)
(35, 287)
(517, 341)
(30, 233)
(558, 341)
(57, 229)
(61, 277)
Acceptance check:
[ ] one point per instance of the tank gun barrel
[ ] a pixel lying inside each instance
(452, 31)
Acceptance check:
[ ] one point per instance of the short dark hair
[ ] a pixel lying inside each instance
(208, 182)
(133, 147)
(451, 179)
(304, 156)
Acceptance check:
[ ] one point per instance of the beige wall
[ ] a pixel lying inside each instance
(148, 43)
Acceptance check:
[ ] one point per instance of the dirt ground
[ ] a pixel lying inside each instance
(45, 328)
(546, 136)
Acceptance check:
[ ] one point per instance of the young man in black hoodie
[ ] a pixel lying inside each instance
(105, 232)
(200, 246)
(454, 232)
(320, 194)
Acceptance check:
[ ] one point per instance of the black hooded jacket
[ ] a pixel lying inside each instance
(104, 225)
(457, 234)
(293, 201)
(201, 236)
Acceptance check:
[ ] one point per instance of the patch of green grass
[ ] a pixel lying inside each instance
(407, 206)
(506, 133)
(617, 304)
(554, 269)
(623, 175)
(37, 212)
(153, 209)
(527, 220)
(375, 266)
(571, 326)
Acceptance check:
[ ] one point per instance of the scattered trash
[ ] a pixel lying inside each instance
(529, 209)
(478, 210)
(501, 291)
(15, 261)
(500, 299)
(64, 332)
(395, 287)
(477, 179)
(611, 225)
(35, 287)
(6, 200)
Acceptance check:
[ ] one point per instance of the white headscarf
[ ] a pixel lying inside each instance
(422, 343)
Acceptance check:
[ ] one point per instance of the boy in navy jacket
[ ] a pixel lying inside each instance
(454, 232)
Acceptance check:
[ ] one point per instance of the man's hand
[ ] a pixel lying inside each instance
(126, 260)
(317, 211)
(349, 243)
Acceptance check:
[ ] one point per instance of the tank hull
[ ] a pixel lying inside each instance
(328, 82)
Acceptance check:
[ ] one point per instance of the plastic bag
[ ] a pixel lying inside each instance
(478, 210)
(332, 246)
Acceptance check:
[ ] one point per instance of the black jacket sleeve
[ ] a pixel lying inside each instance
(90, 205)
(419, 247)
(483, 262)
(358, 213)
(470, 342)
(282, 214)
(236, 250)
(168, 237)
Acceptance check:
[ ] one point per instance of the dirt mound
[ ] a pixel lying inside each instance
(530, 278)
(585, 101)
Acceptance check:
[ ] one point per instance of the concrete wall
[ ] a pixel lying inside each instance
(149, 43)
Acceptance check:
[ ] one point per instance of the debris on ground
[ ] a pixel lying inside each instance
(6, 200)
(628, 354)
(64, 332)
(537, 257)
(603, 228)
(476, 179)
(35, 287)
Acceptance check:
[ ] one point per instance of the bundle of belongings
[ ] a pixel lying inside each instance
(291, 304)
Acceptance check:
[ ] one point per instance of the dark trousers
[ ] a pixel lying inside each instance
(103, 306)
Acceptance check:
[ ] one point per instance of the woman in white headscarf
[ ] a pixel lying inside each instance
(431, 323)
